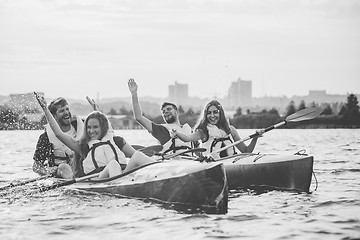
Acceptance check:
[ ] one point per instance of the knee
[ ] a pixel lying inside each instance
(140, 158)
(64, 171)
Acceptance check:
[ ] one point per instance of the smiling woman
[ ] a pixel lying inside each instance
(215, 132)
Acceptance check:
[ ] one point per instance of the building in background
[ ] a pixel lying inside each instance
(240, 94)
(179, 93)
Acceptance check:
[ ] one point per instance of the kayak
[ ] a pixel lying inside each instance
(274, 171)
(268, 171)
(181, 185)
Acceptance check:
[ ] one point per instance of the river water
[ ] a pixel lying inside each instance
(330, 212)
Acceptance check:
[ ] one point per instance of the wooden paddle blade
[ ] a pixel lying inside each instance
(304, 114)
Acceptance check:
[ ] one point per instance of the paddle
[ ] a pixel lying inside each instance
(125, 173)
(302, 115)
(66, 183)
(25, 182)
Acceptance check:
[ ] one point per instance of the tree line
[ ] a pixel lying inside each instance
(347, 117)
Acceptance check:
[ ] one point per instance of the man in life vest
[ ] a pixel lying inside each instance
(51, 156)
(161, 132)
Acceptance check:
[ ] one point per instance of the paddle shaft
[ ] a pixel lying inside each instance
(267, 129)
(250, 137)
(66, 183)
(24, 182)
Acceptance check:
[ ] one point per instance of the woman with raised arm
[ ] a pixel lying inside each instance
(99, 150)
(215, 132)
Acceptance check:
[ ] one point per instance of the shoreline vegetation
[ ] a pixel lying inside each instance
(347, 117)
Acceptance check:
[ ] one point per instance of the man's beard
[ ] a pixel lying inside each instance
(170, 119)
(65, 122)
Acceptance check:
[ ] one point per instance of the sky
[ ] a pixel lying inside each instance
(78, 48)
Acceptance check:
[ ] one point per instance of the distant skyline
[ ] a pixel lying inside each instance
(84, 48)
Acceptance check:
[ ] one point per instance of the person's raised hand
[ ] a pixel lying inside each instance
(41, 100)
(133, 87)
(93, 103)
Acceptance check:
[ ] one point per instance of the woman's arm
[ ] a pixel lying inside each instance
(63, 137)
(242, 146)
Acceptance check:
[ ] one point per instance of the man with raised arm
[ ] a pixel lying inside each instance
(51, 156)
(161, 132)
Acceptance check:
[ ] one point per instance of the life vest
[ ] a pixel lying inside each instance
(100, 153)
(61, 152)
(175, 144)
(218, 138)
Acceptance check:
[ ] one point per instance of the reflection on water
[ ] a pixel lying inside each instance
(330, 212)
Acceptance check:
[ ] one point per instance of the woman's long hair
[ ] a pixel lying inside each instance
(202, 123)
(104, 126)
